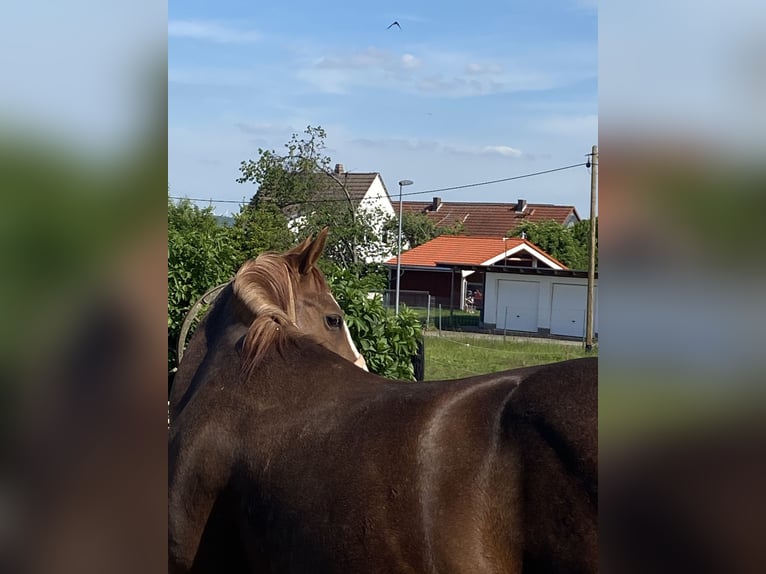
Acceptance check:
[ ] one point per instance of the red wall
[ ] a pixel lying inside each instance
(435, 282)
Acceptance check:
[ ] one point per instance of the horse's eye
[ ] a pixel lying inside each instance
(333, 321)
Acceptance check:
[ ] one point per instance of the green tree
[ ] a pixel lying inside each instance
(564, 243)
(201, 255)
(418, 228)
(581, 232)
(260, 228)
(291, 179)
(300, 184)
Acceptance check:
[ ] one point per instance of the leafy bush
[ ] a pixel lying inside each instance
(387, 342)
(201, 255)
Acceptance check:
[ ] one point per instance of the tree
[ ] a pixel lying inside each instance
(581, 232)
(260, 228)
(418, 228)
(567, 244)
(201, 255)
(292, 179)
(300, 184)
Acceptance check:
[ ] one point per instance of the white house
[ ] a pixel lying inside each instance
(369, 195)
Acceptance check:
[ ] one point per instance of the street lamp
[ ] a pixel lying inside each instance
(402, 183)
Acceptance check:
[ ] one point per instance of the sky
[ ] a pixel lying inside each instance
(460, 93)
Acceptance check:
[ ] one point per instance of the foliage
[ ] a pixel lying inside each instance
(290, 179)
(355, 237)
(567, 244)
(201, 255)
(581, 232)
(418, 228)
(260, 228)
(387, 342)
(299, 183)
(457, 228)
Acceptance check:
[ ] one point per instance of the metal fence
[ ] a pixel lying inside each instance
(432, 312)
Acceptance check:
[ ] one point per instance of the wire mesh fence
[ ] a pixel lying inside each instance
(431, 312)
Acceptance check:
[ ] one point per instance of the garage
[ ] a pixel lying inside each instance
(517, 305)
(568, 310)
(547, 302)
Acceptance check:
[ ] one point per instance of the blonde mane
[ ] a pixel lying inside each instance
(267, 286)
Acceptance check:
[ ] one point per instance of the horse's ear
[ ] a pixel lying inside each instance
(311, 251)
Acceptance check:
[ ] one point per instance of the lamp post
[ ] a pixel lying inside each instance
(402, 183)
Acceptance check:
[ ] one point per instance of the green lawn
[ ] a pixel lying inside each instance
(450, 357)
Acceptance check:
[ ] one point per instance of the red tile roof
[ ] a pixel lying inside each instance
(464, 250)
(490, 219)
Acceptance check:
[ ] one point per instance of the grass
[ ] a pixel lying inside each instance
(453, 357)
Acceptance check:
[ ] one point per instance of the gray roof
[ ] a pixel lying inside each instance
(357, 185)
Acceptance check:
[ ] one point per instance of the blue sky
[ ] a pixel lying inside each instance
(462, 93)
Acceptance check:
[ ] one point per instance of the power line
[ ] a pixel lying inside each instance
(496, 180)
(428, 191)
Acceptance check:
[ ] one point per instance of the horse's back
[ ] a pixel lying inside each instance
(553, 415)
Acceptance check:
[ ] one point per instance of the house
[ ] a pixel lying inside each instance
(365, 191)
(490, 219)
(431, 267)
(538, 301)
(523, 289)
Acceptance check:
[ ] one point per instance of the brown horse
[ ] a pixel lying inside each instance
(286, 290)
(285, 457)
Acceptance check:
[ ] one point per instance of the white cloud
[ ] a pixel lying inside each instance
(484, 151)
(211, 32)
(396, 144)
(435, 146)
(409, 61)
(501, 150)
(371, 58)
(431, 72)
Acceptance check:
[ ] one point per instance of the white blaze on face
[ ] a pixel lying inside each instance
(358, 358)
(359, 362)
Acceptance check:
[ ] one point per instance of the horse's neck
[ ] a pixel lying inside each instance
(302, 367)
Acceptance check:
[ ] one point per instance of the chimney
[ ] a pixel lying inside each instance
(436, 204)
(521, 205)
(339, 168)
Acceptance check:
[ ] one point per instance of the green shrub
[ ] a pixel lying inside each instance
(387, 342)
(201, 255)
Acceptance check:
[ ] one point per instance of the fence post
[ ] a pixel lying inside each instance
(440, 319)
(505, 323)
(428, 312)
(419, 360)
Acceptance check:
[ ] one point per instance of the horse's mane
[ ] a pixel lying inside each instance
(267, 286)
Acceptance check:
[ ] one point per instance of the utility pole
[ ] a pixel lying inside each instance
(589, 314)
(402, 183)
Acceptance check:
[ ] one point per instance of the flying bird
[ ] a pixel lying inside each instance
(394, 23)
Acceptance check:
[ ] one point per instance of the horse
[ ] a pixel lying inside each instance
(309, 307)
(285, 456)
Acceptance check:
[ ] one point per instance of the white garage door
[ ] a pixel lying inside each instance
(517, 301)
(568, 309)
